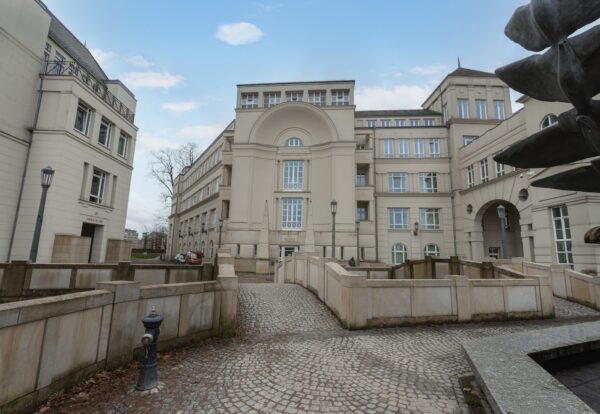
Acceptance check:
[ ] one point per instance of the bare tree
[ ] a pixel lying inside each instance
(167, 163)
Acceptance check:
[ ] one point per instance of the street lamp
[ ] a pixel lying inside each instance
(47, 174)
(357, 243)
(502, 216)
(333, 212)
(220, 230)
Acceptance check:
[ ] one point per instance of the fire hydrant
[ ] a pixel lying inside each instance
(148, 378)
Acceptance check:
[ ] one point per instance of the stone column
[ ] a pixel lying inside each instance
(463, 298)
(227, 285)
(14, 278)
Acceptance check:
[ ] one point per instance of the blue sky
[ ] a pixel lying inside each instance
(182, 59)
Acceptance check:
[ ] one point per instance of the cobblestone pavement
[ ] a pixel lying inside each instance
(292, 357)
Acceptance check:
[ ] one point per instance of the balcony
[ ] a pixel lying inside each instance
(72, 68)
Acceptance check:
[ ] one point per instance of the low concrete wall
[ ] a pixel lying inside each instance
(360, 302)
(49, 343)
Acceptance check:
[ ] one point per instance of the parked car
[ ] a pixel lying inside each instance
(179, 259)
(194, 257)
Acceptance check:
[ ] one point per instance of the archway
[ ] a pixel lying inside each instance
(492, 235)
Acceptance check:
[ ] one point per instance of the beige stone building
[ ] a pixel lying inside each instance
(420, 182)
(58, 108)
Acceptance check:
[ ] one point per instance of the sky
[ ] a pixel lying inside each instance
(183, 59)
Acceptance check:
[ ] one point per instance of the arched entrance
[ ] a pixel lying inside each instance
(488, 219)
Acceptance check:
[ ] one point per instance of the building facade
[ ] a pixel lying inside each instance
(58, 108)
(419, 182)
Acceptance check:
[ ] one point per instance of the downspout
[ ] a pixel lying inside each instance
(35, 121)
(375, 196)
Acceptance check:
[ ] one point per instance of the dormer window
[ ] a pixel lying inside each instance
(294, 142)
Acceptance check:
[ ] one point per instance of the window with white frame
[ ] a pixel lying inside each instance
(340, 97)
(415, 122)
(548, 121)
(388, 148)
(397, 218)
(294, 142)
(431, 250)
(419, 148)
(445, 113)
(562, 234)
(403, 150)
(399, 253)
(397, 182)
(293, 175)
(428, 182)
(361, 214)
(428, 122)
(467, 139)
(361, 178)
(430, 218)
(98, 187)
(481, 108)
(499, 110)
(483, 170)
(499, 169)
(271, 99)
(463, 108)
(249, 100)
(294, 96)
(316, 98)
(400, 122)
(123, 147)
(371, 123)
(386, 123)
(434, 148)
(105, 134)
(291, 213)
(470, 176)
(82, 118)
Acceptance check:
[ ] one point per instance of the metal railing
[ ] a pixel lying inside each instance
(72, 68)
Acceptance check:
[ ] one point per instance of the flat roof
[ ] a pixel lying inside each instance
(295, 83)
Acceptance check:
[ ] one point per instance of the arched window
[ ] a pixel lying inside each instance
(294, 142)
(398, 253)
(432, 250)
(548, 121)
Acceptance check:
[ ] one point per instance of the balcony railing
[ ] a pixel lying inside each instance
(71, 68)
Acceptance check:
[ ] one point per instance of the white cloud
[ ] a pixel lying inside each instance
(181, 106)
(398, 97)
(428, 70)
(149, 141)
(152, 79)
(143, 210)
(238, 33)
(139, 61)
(102, 56)
(201, 132)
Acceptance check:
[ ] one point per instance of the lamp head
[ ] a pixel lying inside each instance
(333, 207)
(47, 174)
(501, 212)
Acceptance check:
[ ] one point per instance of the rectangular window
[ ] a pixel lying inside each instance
(293, 175)
(291, 213)
(398, 218)
(481, 108)
(340, 97)
(428, 182)
(499, 169)
(419, 148)
(82, 118)
(294, 96)
(123, 147)
(361, 214)
(57, 67)
(400, 122)
(499, 110)
(403, 150)
(388, 148)
(463, 108)
(562, 235)
(467, 139)
(483, 169)
(434, 148)
(316, 98)
(445, 112)
(415, 122)
(470, 176)
(430, 218)
(428, 122)
(371, 123)
(397, 182)
(386, 123)
(105, 135)
(361, 178)
(271, 99)
(98, 186)
(249, 100)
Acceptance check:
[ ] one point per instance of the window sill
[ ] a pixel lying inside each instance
(92, 204)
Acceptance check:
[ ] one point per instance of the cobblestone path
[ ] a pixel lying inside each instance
(292, 357)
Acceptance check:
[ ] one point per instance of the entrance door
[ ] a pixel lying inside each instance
(89, 230)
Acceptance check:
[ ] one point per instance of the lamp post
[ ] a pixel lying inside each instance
(220, 230)
(47, 174)
(502, 216)
(357, 243)
(333, 211)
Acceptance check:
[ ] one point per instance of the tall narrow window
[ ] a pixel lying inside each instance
(397, 182)
(430, 218)
(293, 175)
(481, 107)
(499, 169)
(397, 218)
(470, 176)
(361, 213)
(316, 98)
(388, 148)
(58, 65)
(445, 112)
(562, 234)
(82, 118)
(403, 151)
(434, 148)
(123, 147)
(271, 99)
(291, 213)
(340, 97)
(419, 148)
(361, 178)
(105, 135)
(98, 186)
(399, 253)
(484, 171)
(428, 182)
(463, 108)
(499, 110)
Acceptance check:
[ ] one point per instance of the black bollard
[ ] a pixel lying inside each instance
(148, 378)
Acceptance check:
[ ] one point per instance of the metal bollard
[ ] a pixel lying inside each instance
(148, 378)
